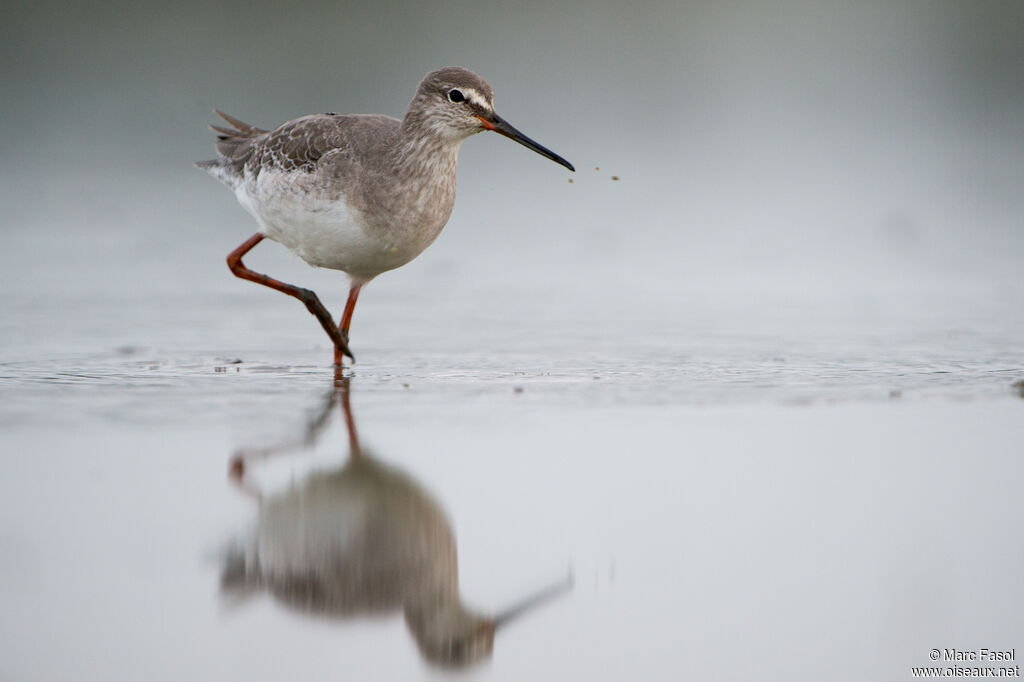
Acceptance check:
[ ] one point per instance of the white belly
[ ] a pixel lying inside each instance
(322, 230)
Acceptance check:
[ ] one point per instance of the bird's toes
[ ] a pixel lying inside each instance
(340, 352)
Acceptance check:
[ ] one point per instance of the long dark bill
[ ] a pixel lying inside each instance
(503, 127)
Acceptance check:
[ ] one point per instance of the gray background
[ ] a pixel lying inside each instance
(784, 144)
(758, 393)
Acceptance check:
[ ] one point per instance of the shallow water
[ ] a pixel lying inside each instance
(770, 490)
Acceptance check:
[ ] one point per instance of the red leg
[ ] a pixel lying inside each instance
(346, 318)
(309, 298)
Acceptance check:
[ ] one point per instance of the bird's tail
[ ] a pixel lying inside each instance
(229, 144)
(228, 139)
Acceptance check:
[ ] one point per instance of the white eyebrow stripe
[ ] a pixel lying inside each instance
(476, 98)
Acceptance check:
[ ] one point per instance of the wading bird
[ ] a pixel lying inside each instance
(363, 194)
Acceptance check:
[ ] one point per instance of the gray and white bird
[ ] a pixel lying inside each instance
(363, 194)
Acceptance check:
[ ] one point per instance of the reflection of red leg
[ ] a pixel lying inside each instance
(342, 387)
(236, 473)
(242, 459)
(346, 318)
(313, 303)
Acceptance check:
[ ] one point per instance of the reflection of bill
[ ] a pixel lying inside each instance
(360, 539)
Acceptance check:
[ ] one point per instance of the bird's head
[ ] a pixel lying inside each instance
(456, 103)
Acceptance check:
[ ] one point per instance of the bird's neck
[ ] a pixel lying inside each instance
(422, 151)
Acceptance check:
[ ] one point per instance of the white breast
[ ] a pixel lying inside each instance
(321, 228)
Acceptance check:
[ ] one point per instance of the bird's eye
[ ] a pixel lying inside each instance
(456, 96)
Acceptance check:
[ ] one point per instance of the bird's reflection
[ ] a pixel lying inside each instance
(360, 539)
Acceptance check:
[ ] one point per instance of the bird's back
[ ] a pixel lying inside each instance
(297, 146)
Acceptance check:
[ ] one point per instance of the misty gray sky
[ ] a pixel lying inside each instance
(866, 139)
